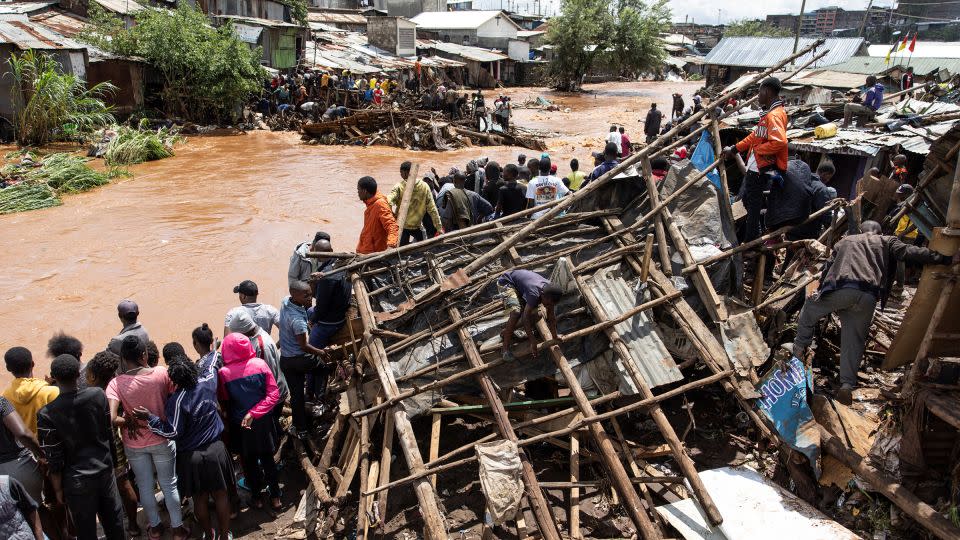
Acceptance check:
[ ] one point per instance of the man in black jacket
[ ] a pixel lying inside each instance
(855, 278)
(75, 434)
(651, 125)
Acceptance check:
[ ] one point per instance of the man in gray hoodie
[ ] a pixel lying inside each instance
(302, 266)
(853, 280)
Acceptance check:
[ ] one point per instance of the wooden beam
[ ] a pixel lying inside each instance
(386, 458)
(434, 524)
(574, 518)
(434, 444)
(647, 255)
(756, 292)
(658, 228)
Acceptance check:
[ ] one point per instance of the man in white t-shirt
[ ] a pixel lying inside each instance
(615, 138)
(545, 188)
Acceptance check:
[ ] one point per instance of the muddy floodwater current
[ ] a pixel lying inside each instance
(179, 234)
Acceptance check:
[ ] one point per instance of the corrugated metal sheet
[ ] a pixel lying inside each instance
(764, 52)
(639, 334)
(868, 65)
(336, 17)
(60, 21)
(867, 143)
(23, 8)
(30, 35)
(840, 80)
(465, 51)
(459, 20)
(123, 7)
(339, 50)
(265, 23)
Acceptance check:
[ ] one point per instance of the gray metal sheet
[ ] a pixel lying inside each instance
(647, 350)
(764, 52)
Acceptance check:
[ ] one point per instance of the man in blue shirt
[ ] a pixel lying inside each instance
(872, 100)
(297, 356)
(610, 154)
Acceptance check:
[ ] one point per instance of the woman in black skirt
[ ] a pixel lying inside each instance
(204, 467)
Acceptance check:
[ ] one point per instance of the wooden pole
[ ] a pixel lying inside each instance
(611, 461)
(538, 503)
(725, 208)
(574, 518)
(657, 414)
(647, 255)
(756, 292)
(953, 207)
(658, 228)
(386, 457)
(890, 488)
(434, 525)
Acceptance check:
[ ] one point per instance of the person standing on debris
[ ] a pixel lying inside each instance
(302, 266)
(853, 280)
(450, 99)
(265, 315)
(697, 103)
(576, 176)
(677, 106)
(900, 172)
(380, 231)
(871, 102)
(456, 203)
(418, 72)
(767, 147)
(545, 188)
(422, 206)
(491, 181)
(512, 197)
(298, 357)
(906, 83)
(609, 162)
(651, 126)
(522, 292)
(612, 138)
(625, 148)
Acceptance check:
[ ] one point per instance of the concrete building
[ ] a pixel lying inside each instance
(930, 10)
(828, 20)
(492, 29)
(395, 35)
(410, 8)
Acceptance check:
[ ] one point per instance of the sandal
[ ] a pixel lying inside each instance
(181, 533)
(154, 533)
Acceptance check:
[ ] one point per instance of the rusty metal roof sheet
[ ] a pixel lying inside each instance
(30, 35)
(828, 79)
(639, 334)
(123, 7)
(869, 143)
(23, 8)
(60, 21)
(334, 17)
(765, 52)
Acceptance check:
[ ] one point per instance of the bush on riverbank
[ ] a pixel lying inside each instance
(36, 186)
(131, 146)
(51, 105)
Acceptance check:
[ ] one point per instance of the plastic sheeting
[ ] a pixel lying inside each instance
(500, 479)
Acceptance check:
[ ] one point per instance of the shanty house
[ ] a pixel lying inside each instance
(17, 36)
(126, 73)
(492, 29)
(485, 68)
(283, 43)
(345, 19)
(395, 35)
(734, 56)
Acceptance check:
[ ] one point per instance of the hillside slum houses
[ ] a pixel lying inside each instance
(670, 360)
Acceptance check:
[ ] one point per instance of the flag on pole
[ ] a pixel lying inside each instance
(913, 44)
(893, 48)
(903, 44)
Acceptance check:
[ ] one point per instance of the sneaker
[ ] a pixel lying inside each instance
(242, 484)
(845, 395)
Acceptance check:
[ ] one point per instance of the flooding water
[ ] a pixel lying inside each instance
(183, 231)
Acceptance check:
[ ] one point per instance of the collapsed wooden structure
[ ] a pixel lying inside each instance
(428, 342)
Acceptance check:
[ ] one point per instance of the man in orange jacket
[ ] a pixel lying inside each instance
(767, 153)
(380, 230)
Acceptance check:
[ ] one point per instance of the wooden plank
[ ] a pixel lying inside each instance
(574, 519)
(386, 458)
(408, 189)
(647, 256)
(434, 444)
(634, 466)
(658, 227)
(756, 292)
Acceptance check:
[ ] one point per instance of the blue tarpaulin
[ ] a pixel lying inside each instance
(784, 402)
(703, 157)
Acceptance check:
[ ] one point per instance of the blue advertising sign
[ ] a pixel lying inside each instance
(784, 402)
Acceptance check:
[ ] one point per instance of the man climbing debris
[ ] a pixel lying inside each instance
(522, 292)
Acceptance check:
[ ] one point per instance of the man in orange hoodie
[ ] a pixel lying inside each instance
(767, 153)
(380, 230)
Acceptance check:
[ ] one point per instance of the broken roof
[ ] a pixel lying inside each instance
(255, 21)
(337, 17)
(26, 34)
(764, 52)
(475, 54)
(460, 20)
(870, 65)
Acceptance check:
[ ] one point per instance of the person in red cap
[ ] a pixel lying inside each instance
(128, 311)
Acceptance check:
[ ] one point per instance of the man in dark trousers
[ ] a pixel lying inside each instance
(906, 83)
(766, 148)
(853, 280)
(677, 105)
(75, 434)
(651, 126)
(522, 292)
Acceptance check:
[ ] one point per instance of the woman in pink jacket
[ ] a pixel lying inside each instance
(249, 393)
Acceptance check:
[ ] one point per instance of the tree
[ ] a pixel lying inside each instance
(51, 105)
(207, 72)
(755, 28)
(625, 31)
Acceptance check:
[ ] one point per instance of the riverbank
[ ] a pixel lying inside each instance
(181, 232)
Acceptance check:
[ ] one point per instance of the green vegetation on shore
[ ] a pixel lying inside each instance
(131, 146)
(41, 185)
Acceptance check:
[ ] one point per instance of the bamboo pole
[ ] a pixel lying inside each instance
(658, 416)
(434, 524)
(538, 503)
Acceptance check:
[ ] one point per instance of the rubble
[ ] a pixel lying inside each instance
(589, 424)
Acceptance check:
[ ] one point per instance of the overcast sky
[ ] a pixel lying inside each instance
(702, 11)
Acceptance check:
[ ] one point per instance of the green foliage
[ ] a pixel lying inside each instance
(41, 186)
(107, 31)
(131, 146)
(50, 105)
(624, 31)
(27, 196)
(207, 72)
(755, 28)
(298, 10)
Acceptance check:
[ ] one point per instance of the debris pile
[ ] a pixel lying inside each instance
(670, 360)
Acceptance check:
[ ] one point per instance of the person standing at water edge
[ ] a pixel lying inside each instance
(128, 312)
(75, 434)
(380, 230)
(612, 138)
(651, 126)
(625, 149)
(298, 357)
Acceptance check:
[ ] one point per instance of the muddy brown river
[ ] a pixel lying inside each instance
(179, 234)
